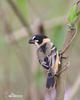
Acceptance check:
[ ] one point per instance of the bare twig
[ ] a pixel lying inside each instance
(69, 43)
(74, 30)
(20, 16)
(63, 69)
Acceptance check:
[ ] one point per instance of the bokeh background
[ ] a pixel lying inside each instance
(20, 72)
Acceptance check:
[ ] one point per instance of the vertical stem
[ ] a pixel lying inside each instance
(61, 82)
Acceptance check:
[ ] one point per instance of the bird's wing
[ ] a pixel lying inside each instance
(45, 63)
(54, 59)
(55, 66)
(48, 60)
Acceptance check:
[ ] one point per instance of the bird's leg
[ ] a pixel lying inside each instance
(63, 69)
(60, 59)
(61, 56)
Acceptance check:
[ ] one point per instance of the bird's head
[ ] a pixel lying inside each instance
(38, 40)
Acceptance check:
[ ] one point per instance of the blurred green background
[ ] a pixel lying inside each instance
(20, 72)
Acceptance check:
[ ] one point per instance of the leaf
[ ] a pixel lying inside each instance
(72, 14)
(78, 13)
(22, 4)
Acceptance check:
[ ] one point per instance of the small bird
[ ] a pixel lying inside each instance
(48, 57)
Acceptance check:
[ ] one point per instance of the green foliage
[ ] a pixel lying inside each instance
(22, 4)
(78, 13)
(73, 15)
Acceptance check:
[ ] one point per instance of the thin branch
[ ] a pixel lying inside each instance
(74, 30)
(63, 69)
(20, 16)
(69, 43)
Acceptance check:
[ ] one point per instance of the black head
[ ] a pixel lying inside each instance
(37, 39)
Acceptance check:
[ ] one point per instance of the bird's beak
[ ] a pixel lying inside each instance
(31, 41)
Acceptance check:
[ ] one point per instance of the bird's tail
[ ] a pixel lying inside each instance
(50, 80)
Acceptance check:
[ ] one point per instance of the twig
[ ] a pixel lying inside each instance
(73, 30)
(63, 69)
(20, 16)
(69, 43)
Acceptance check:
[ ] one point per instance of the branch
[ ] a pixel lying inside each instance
(70, 41)
(20, 16)
(74, 32)
(61, 81)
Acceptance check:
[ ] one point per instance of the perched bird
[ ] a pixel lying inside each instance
(48, 56)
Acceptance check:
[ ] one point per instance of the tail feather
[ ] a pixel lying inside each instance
(50, 80)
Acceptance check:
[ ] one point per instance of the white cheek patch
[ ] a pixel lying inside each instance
(36, 44)
(36, 41)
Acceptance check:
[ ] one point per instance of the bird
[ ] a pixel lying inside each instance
(48, 56)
